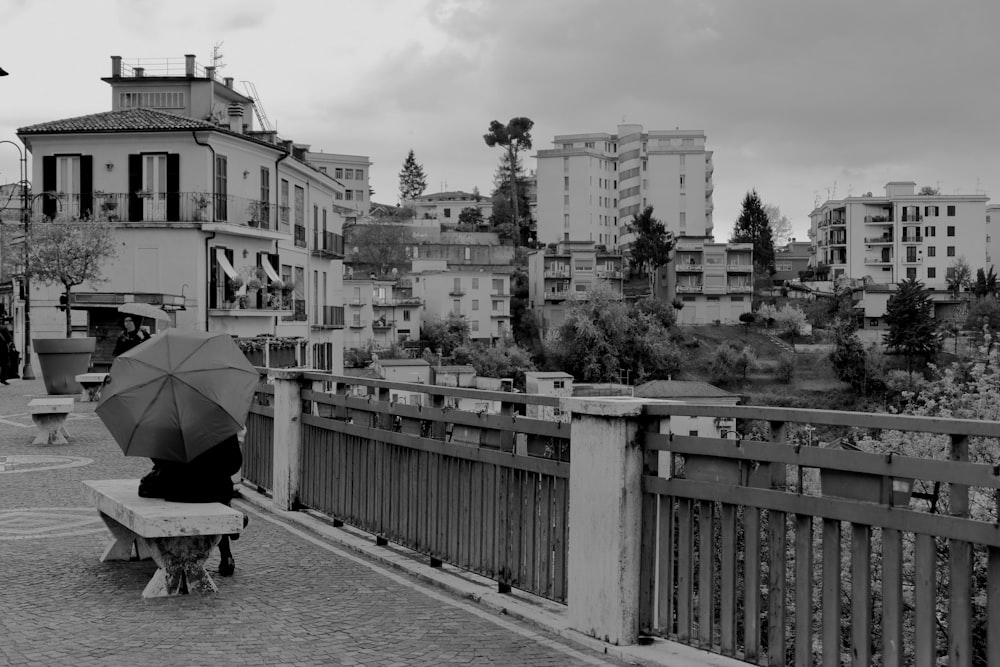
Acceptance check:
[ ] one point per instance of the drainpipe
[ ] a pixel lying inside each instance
(208, 257)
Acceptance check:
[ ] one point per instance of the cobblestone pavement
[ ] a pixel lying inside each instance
(293, 600)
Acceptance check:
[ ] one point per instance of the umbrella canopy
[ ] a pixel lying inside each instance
(178, 395)
(144, 310)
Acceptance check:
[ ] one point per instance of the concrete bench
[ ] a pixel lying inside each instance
(179, 537)
(49, 415)
(92, 383)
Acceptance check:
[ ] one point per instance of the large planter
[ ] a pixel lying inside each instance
(61, 360)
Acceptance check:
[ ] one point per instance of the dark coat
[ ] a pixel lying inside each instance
(127, 341)
(206, 478)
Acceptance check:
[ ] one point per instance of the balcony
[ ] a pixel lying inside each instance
(456, 291)
(330, 317)
(878, 261)
(689, 289)
(382, 324)
(328, 245)
(609, 274)
(300, 235)
(912, 239)
(879, 240)
(357, 324)
(690, 268)
(913, 260)
(556, 295)
(357, 303)
(878, 219)
(739, 267)
(556, 273)
(740, 289)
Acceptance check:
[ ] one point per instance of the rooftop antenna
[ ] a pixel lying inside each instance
(258, 108)
(217, 56)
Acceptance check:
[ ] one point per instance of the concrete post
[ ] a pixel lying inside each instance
(605, 515)
(287, 436)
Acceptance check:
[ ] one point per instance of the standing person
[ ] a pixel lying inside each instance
(6, 356)
(129, 338)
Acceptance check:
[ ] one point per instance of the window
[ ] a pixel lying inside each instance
(283, 194)
(338, 173)
(951, 230)
(911, 253)
(468, 254)
(475, 281)
(951, 251)
(558, 384)
(359, 195)
(565, 182)
(349, 195)
(931, 272)
(221, 184)
(931, 211)
(475, 304)
(498, 285)
(931, 251)
(406, 315)
(339, 196)
(566, 220)
(682, 181)
(497, 306)
(930, 231)
(265, 194)
(349, 174)
(447, 213)
(911, 272)
(474, 326)
(152, 100)
(458, 285)
(565, 200)
(456, 306)
(951, 211)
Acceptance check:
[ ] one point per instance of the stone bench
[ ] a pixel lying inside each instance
(92, 383)
(179, 537)
(49, 415)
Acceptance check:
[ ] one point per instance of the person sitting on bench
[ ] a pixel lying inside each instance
(206, 478)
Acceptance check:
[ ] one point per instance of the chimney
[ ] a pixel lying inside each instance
(139, 72)
(210, 71)
(236, 117)
(229, 82)
(189, 65)
(116, 67)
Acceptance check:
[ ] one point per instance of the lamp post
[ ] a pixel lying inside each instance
(26, 372)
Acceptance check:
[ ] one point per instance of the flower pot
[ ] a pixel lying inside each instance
(61, 360)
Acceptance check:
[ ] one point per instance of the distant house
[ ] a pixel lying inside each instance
(693, 391)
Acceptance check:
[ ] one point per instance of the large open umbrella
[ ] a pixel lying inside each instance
(178, 395)
(145, 310)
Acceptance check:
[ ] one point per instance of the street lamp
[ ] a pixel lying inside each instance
(26, 373)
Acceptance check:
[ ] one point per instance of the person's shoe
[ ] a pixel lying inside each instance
(227, 566)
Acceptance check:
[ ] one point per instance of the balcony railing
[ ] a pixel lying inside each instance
(689, 268)
(556, 273)
(878, 260)
(689, 289)
(357, 324)
(878, 219)
(332, 317)
(328, 244)
(740, 289)
(609, 273)
(556, 295)
(456, 291)
(740, 267)
(383, 324)
(913, 239)
(878, 240)
(156, 207)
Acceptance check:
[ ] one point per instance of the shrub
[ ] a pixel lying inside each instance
(785, 368)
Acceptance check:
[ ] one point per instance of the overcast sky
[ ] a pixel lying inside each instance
(801, 100)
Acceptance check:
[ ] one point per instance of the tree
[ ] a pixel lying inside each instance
(986, 283)
(781, 226)
(412, 180)
(380, 247)
(731, 361)
(604, 339)
(912, 330)
(471, 216)
(446, 334)
(515, 136)
(505, 360)
(983, 317)
(959, 276)
(928, 190)
(851, 363)
(747, 319)
(792, 321)
(502, 218)
(68, 254)
(753, 227)
(653, 243)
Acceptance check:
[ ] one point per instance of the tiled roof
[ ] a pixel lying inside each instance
(129, 120)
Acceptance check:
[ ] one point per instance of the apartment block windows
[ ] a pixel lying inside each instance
(496, 306)
(911, 273)
(566, 220)
(931, 272)
(930, 231)
(475, 304)
(565, 164)
(338, 172)
(457, 287)
(931, 211)
(498, 285)
(683, 220)
(300, 216)
(951, 251)
(931, 251)
(406, 315)
(565, 200)
(265, 195)
(911, 253)
(475, 281)
(682, 181)
(468, 258)
(951, 211)
(359, 195)
(283, 203)
(349, 195)
(221, 183)
(951, 230)
(565, 182)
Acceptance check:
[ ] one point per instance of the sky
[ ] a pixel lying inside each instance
(801, 100)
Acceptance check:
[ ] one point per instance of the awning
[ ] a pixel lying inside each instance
(268, 269)
(220, 256)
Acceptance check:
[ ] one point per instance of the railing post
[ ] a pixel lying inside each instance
(287, 436)
(605, 516)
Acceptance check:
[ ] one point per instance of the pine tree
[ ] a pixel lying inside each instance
(653, 243)
(412, 180)
(515, 136)
(754, 227)
(909, 316)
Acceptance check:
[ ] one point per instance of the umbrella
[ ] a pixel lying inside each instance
(144, 310)
(178, 395)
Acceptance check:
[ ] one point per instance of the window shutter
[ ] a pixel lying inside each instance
(48, 185)
(173, 186)
(87, 186)
(134, 185)
(213, 279)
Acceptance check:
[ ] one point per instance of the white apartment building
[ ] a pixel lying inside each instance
(590, 186)
(444, 208)
(352, 172)
(901, 235)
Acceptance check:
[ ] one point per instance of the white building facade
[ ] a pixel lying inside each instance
(590, 186)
